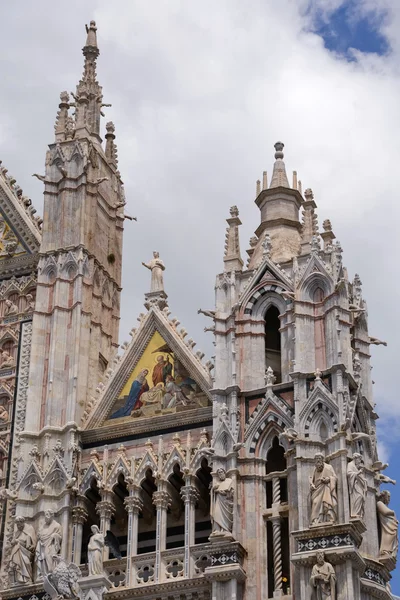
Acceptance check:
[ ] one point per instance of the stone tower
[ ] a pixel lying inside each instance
(153, 472)
(294, 418)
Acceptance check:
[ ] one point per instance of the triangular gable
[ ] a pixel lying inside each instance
(19, 229)
(157, 363)
(267, 267)
(313, 266)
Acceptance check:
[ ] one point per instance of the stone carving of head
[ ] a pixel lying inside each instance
(319, 461)
(320, 558)
(221, 474)
(48, 516)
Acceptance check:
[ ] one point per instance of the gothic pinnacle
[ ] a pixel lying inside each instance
(279, 177)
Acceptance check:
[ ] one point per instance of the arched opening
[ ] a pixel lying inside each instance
(176, 512)
(3, 466)
(119, 520)
(92, 496)
(319, 330)
(147, 516)
(276, 463)
(323, 432)
(273, 342)
(202, 514)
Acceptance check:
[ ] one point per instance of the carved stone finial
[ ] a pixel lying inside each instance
(327, 225)
(269, 377)
(267, 246)
(279, 146)
(253, 241)
(234, 211)
(308, 194)
(318, 374)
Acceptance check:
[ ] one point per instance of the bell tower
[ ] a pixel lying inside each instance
(75, 327)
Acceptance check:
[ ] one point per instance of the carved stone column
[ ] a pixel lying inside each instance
(79, 516)
(105, 509)
(190, 495)
(276, 537)
(133, 505)
(161, 500)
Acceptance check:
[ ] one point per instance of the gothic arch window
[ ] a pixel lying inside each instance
(277, 493)
(147, 516)
(119, 520)
(176, 511)
(318, 294)
(92, 497)
(202, 514)
(273, 342)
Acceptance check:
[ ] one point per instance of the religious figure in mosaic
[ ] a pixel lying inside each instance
(389, 526)
(133, 402)
(95, 552)
(48, 544)
(22, 552)
(357, 486)
(323, 494)
(222, 505)
(156, 267)
(162, 369)
(323, 579)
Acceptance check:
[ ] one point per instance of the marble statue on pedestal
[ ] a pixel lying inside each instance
(389, 526)
(95, 552)
(357, 486)
(23, 548)
(156, 267)
(323, 493)
(222, 504)
(323, 579)
(48, 544)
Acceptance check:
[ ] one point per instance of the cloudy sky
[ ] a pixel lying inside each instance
(200, 92)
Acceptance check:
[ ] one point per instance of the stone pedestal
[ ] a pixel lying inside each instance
(95, 586)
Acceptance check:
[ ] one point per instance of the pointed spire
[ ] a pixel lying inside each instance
(89, 96)
(111, 147)
(232, 258)
(279, 177)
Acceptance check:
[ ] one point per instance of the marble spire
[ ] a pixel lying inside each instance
(279, 177)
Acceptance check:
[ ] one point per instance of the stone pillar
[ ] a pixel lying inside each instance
(161, 500)
(190, 496)
(133, 505)
(79, 516)
(105, 509)
(276, 536)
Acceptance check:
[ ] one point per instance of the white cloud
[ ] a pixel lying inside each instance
(200, 93)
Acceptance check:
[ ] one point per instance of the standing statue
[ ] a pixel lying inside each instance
(95, 551)
(357, 486)
(323, 493)
(389, 526)
(222, 505)
(323, 578)
(156, 267)
(48, 545)
(22, 551)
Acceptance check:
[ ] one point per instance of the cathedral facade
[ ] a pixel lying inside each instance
(147, 470)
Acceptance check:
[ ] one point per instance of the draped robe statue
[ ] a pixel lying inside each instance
(95, 552)
(357, 486)
(49, 544)
(323, 579)
(323, 493)
(222, 505)
(156, 267)
(389, 526)
(22, 551)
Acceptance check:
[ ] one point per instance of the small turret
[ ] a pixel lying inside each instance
(232, 258)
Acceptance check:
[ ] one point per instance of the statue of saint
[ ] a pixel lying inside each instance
(323, 493)
(222, 504)
(156, 267)
(323, 579)
(95, 552)
(22, 551)
(48, 544)
(357, 486)
(10, 309)
(389, 526)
